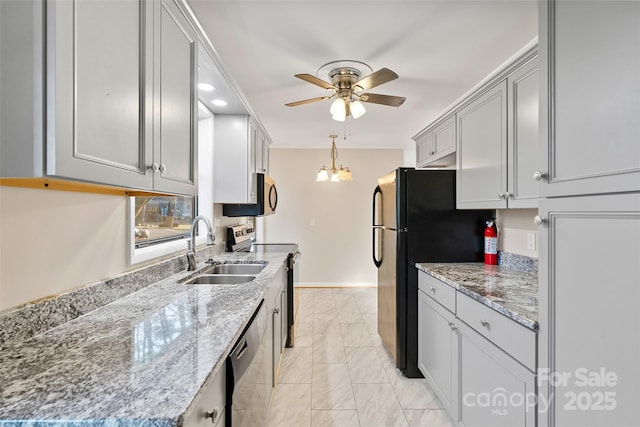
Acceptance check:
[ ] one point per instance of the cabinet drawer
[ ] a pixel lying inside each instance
(507, 334)
(438, 290)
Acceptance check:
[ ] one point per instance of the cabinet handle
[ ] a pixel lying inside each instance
(508, 195)
(163, 168)
(538, 220)
(484, 323)
(432, 153)
(500, 195)
(154, 167)
(537, 175)
(212, 414)
(433, 289)
(276, 310)
(453, 326)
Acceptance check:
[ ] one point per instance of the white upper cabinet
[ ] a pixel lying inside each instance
(262, 152)
(119, 89)
(436, 146)
(234, 159)
(498, 145)
(591, 99)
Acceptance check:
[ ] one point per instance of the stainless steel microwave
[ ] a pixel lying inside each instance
(266, 194)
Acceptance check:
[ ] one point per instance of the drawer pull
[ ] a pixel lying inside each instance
(212, 414)
(433, 289)
(484, 323)
(453, 326)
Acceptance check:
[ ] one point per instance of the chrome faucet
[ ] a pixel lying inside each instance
(191, 254)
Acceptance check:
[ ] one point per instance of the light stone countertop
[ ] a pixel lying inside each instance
(138, 361)
(513, 293)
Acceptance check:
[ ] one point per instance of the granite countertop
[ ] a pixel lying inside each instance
(511, 292)
(139, 360)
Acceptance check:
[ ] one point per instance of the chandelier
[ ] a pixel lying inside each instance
(334, 174)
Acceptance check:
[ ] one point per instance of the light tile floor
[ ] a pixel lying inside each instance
(339, 374)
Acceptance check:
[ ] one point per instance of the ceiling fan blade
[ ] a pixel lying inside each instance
(375, 98)
(381, 76)
(307, 101)
(316, 81)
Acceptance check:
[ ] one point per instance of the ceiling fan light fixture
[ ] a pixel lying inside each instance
(357, 109)
(338, 110)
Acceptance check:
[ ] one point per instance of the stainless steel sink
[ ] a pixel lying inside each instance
(235, 269)
(219, 279)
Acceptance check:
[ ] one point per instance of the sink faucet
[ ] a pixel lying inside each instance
(191, 254)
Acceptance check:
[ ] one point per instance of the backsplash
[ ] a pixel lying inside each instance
(25, 321)
(518, 262)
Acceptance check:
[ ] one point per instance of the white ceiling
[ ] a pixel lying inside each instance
(440, 50)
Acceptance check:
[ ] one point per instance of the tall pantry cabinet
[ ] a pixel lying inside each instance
(589, 271)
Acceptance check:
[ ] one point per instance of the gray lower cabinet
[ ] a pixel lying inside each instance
(480, 364)
(208, 406)
(589, 318)
(438, 349)
(119, 88)
(495, 390)
(590, 97)
(276, 334)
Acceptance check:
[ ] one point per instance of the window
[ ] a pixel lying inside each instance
(160, 225)
(162, 218)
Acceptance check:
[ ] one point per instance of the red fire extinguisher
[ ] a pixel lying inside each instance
(491, 243)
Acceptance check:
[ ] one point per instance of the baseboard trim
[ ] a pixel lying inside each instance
(336, 285)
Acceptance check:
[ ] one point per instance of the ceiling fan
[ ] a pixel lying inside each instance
(349, 88)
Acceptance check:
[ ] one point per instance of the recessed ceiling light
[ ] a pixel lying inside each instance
(206, 87)
(219, 102)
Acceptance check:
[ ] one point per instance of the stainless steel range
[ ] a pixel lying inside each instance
(242, 239)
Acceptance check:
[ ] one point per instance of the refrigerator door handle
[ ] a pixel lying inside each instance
(375, 227)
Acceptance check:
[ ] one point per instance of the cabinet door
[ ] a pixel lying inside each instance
(444, 138)
(590, 96)
(424, 149)
(495, 390)
(176, 101)
(437, 349)
(284, 317)
(588, 310)
(522, 160)
(482, 147)
(99, 84)
(265, 155)
(252, 195)
(276, 347)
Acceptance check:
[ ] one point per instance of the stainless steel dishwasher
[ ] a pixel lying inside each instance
(246, 375)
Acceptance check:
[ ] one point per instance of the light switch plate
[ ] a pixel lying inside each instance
(531, 240)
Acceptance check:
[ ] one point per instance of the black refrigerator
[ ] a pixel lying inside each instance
(415, 220)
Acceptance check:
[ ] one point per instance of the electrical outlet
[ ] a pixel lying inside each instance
(531, 240)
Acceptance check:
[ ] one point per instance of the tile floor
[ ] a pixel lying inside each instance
(338, 374)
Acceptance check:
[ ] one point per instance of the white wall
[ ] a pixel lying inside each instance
(331, 221)
(52, 241)
(513, 227)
